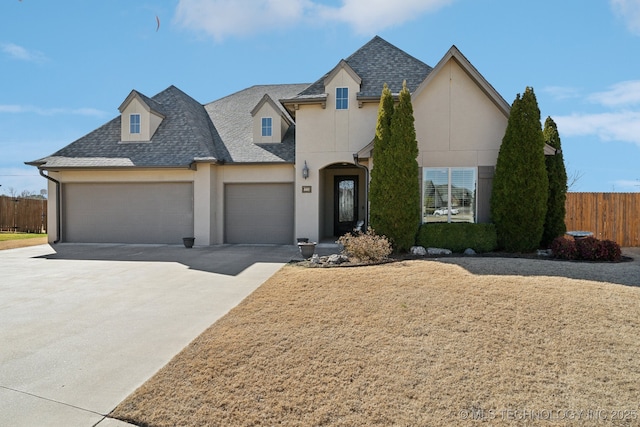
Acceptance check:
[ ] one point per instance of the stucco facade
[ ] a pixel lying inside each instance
(459, 120)
(305, 176)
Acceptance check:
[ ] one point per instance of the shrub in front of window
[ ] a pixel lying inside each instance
(520, 185)
(366, 247)
(458, 236)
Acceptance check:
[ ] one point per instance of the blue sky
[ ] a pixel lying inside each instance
(67, 65)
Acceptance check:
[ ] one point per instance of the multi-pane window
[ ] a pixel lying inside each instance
(449, 194)
(342, 98)
(134, 123)
(267, 126)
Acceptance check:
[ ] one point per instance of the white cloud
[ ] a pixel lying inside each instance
(627, 185)
(19, 52)
(223, 18)
(629, 11)
(30, 109)
(621, 94)
(609, 126)
(562, 92)
(371, 16)
(620, 120)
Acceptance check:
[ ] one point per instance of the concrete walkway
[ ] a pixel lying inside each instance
(82, 326)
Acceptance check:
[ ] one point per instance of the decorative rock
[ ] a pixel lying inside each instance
(337, 259)
(545, 252)
(315, 259)
(418, 250)
(438, 251)
(469, 251)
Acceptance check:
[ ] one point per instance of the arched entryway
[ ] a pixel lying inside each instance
(344, 199)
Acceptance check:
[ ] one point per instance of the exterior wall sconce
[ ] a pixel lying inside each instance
(305, 170)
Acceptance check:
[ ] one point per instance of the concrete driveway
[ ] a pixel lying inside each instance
(82, 326)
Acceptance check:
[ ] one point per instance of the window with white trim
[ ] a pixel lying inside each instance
(134, 123)
(267, 126)
(449, 194)
(342, 98)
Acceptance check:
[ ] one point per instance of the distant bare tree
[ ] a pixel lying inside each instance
(572, 178)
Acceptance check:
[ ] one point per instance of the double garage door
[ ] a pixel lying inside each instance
(162, 213)
(127, 212)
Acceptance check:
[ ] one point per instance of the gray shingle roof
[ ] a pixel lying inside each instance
(379, 62)
(154, 105)
(185, 133)
(222, 130)
(231, 117)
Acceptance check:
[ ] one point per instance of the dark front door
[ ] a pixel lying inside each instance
(345, 202)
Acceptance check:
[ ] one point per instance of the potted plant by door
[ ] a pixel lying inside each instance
(188, 241)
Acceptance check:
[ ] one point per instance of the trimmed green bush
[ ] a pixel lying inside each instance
(458, 236)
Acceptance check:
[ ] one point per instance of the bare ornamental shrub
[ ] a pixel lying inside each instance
(366, 247)
(564, 248)
(587, 249)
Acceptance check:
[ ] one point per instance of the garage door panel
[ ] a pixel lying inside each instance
(127, 212)
(259, 213)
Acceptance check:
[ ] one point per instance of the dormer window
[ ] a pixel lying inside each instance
(267, 126)
(140, 118)
(342, 98)
(134, 123)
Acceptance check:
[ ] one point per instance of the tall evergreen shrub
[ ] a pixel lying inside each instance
(379, 187)
(520, 185)
(554, 225)
(395, 177)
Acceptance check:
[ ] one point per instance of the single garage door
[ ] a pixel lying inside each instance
(127, 212)
(258, 213)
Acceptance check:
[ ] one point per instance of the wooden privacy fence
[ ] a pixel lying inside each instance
(23, 214)
(610, 216)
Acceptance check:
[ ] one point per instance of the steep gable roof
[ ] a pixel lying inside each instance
(376, 63)
(473, 73)
(147, 102)
(184, 134)
(266, 99)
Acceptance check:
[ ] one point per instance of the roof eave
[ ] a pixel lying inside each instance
(293, 104)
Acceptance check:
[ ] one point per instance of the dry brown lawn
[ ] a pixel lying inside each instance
(412, 343)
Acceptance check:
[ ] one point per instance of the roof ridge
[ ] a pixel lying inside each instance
(388, 44)
(246, 89)
(377, 62)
